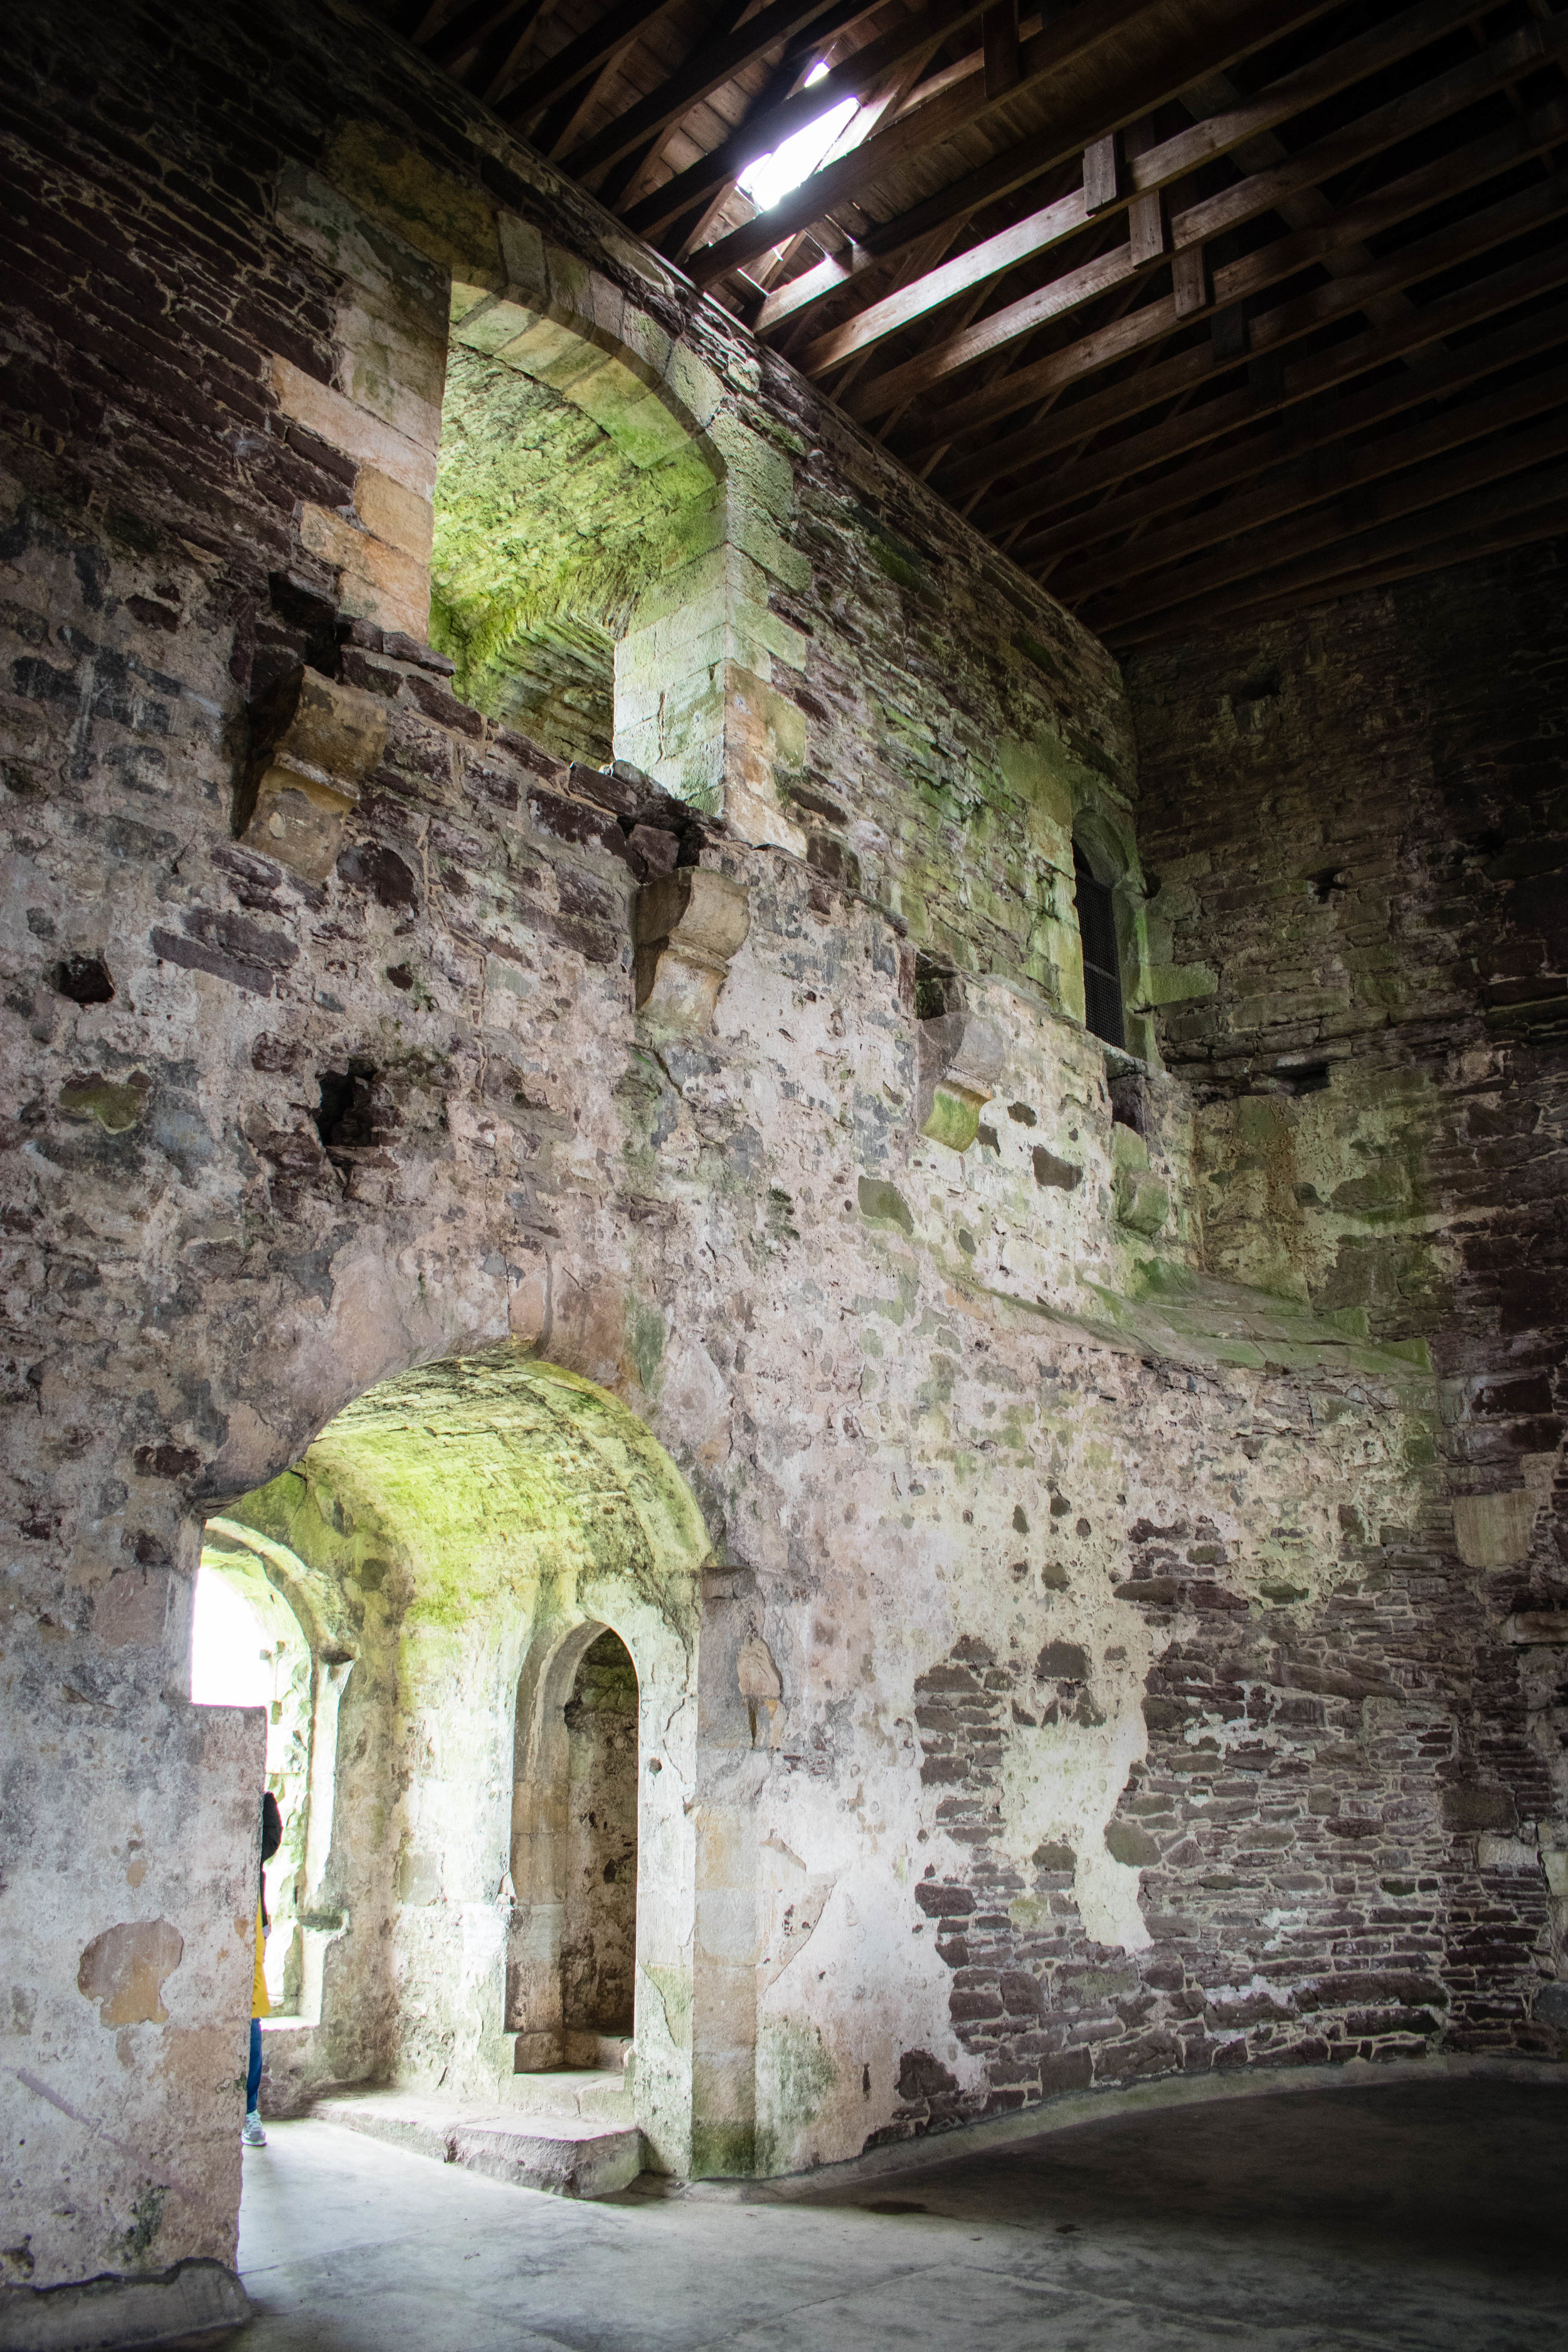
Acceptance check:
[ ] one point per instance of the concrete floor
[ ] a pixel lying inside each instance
(1431, 2217)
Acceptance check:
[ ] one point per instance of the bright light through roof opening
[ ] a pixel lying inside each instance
(773, 176)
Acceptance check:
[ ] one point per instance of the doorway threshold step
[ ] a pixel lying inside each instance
(565, 2155)
(591, 2093)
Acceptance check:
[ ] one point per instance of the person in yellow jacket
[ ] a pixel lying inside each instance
(250, 2131)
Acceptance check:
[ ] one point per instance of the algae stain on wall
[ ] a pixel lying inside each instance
(795, 2076)
(547, 528)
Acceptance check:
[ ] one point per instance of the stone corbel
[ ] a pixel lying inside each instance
(314, 743)
(1143, 1201)
(960, 1062)
(689, 927)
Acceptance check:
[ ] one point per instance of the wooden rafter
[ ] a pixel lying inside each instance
(768, 126)
(1531, 504)
(703, 73)
(1028, 160)
(1311, 425)
(1090, 26)
(1268, 332)
(1192, 305)
(1248, 200)
(1333, 472)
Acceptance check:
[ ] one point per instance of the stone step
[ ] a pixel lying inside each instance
(567, 2155)
(593, 2093)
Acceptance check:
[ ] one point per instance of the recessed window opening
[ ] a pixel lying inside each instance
(772, 177)
(1101, 956)
(552, 520)
(248, 1649)
(598, 1945)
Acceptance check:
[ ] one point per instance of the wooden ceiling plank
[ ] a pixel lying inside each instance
(1313, 425)
(469, 27)
(1053, 300)
(1332, 471)
(1430, 103)
(769, 124)
(603, 41)
(1079, 30)
(681, 91)
(1190, 227)
(1030, 159)
(499, 63)
(1532, 206)
(1527, 498)
(1424, 555)
(619, 185)
(1308, 380)
(1326, 526)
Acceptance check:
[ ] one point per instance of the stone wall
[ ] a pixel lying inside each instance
(1060, 1698)
(1359, 824)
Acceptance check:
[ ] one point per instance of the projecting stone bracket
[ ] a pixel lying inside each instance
(1143, 1201)
(960, 1062)
(313, 743)
(688, 928)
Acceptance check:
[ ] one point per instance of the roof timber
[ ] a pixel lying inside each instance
(1062, 139)
(1162, 166)
(1531, 503)
(1081, 31)
(1332, 471)
(1269, 331)
(1312, 425)
(768, 127)
(1195, 306)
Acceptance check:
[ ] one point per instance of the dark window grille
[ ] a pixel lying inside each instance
(1102, 963)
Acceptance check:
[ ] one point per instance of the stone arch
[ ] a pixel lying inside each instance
(537, 1995)
(295, 1604)
(697, 706)
(579, 505)
(481, 1518)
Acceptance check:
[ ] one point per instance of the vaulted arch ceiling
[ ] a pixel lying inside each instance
(475, 1471)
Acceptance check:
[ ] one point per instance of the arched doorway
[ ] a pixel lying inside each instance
(572, 1974)
(515, 1564)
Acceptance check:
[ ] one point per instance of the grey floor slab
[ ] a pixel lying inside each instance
(1419, 2218)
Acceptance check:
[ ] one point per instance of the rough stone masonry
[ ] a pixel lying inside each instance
(1085, 1522)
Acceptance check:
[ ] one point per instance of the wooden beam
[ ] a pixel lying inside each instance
(1421, 556)
(469, 27)
(1102, 181)
(768, 125)
(703, 73)
(1309, 424)
(1074, 35)
(999, 42)
(1332, 471)
(1364, 55)
(604, 40)
(1514, 216)
(1321, 533)
(1520, 508)
(1032, 157)
(1151, 172)
(1393, 340)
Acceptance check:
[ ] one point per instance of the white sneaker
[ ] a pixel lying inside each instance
(250, 2131)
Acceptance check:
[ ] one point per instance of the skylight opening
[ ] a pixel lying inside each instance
(773, 176)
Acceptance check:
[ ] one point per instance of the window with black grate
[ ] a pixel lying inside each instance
(1102, 963)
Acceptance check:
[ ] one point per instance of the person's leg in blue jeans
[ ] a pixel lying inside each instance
(252, 2133)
